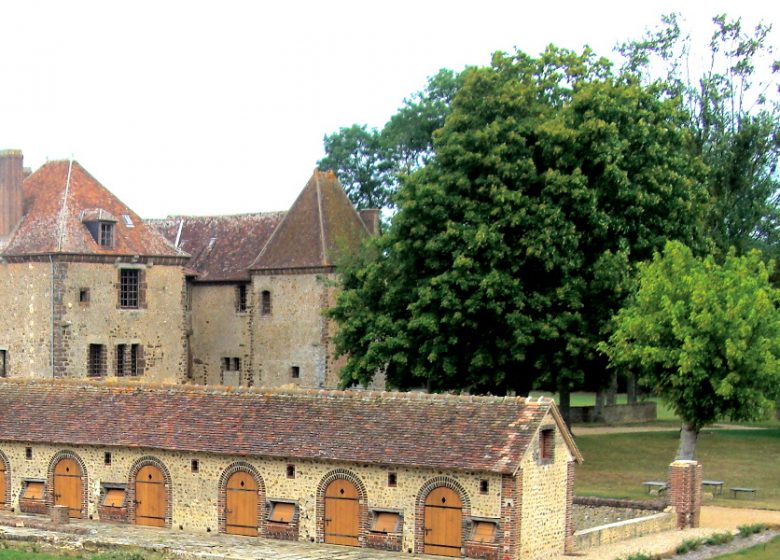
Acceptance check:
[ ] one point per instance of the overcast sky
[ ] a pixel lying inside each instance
(220, 107)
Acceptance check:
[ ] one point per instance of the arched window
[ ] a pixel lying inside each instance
(265, 307)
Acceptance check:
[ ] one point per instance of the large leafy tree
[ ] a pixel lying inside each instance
(370, 163)
(705, 337)
(512, 248)
(734, 111)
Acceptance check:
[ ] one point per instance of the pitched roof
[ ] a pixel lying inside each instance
(59, 198)
(321, 224)
(222, 247)
(488, 434)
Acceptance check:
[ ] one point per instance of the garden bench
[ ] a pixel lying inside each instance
(717, 486)
(655, 486)
(736, 491)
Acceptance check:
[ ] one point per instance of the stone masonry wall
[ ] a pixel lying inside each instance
(25, 323)
(195, 496)
(158, 325)
(220, 331)
(544, 495)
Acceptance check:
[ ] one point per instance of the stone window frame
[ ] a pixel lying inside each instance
(129, 361)
(3, 362)
(242, 298)
(233, 468)
(271, 504)
(419, 509)
(373, 515)
(56, 458)
(97, 360)
(472, 523)
(26, 482)
(354, 479)
(84, 297)
(131, 294)
(106, 486)
(265, 303)
(7, 469)
(149, 460)
(546, 445)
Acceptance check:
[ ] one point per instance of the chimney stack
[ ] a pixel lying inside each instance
(11, 177)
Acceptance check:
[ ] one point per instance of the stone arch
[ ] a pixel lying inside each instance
(68, 454)
(7, 486)
(241, 466)
(149, 460)
(343, 474)
(419, 508)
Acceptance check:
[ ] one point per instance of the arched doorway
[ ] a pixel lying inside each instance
(2, 481)
(67, 486)
(241, 504)
(151, 497)
(443, 522)
(342, 513)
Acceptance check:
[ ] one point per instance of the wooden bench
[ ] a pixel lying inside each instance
(736, 491)
(655, 486)
(717, 486)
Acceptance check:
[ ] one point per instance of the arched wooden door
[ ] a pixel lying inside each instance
(67, 486)
(241, 504)
(342, 513)
(151, 497)
(2, 483)
(443, 521)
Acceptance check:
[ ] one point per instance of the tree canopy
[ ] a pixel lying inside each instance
(704, 336)
(513, 246)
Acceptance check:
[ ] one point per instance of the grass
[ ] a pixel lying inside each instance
(617, 464)
(767, 551)
(32, 551)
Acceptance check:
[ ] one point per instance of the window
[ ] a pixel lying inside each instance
(33, 490)
(385, 521)
(3, 363)
(241, 292)
(546, 444)
(484, 486)
(295, 372)
(282, 512)
(129, 288)
(28, 453)
(128, 360)
(96, 360)
(231, 364)
(483, 531)
(194, 465)
(392, 480)
(265, 303)
(106, 234)
(84, 295)
(290, 471)
(107, 458)
(114, 497)
(136, 355)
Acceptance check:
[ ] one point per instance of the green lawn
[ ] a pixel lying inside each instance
(768, 551)
(27, 551)
(617, 464)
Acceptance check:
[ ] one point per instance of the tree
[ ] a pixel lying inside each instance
(705, 337)
(735, 118)
(512, 248)
(370, 163)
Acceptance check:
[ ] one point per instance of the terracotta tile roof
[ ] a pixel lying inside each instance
(320, 225)
(464, 433)
(58, 198)
(222, 247)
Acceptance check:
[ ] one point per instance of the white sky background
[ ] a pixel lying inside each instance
(220, 107)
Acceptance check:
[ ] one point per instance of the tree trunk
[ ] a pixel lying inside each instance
(564, 402)
(598, 408)
(688, 436)
(612, 390)
(631, 393)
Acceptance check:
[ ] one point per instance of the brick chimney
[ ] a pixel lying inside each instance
(11, 177)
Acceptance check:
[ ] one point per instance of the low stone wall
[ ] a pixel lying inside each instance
(615, 414)
(629, 529)
(587, 517)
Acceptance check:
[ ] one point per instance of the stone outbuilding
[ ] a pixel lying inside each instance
(481, 477)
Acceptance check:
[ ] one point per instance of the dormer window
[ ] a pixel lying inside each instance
(106, 234)
(101, 225)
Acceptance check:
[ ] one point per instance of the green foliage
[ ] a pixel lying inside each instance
(688, 545)
(718, 539)
(735, 118)
(641, 556)
(512, 248)
(747, 530)
(705, 337)
(370, 163)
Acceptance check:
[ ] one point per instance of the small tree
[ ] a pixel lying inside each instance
(704, 336)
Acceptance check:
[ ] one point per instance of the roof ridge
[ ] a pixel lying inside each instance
(63, 208)
(323, 244)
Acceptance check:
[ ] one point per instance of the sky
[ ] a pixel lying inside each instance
(220, 107)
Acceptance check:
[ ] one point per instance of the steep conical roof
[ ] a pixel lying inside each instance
(321, 225)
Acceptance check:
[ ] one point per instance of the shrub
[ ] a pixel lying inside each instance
(719, 539)
(688, 545)
(747, 530)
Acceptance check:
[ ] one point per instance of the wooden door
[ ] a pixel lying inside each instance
(2, 484)
(151, 497)
(67, 486)
(443, 521)
(241, 504)
(342, 513)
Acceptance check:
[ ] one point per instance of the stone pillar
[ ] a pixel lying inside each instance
(685, 493)
(59, 515)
